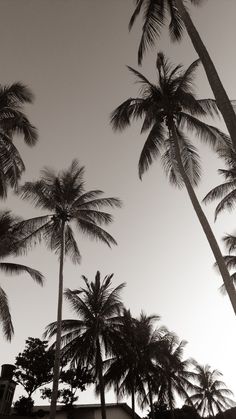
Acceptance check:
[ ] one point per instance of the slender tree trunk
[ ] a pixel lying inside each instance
(56, 369)
(217, 87)
(101, 381)
(150, 398)
(204, 223)
(133, 401)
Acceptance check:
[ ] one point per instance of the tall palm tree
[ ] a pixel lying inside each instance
(9, 232)
(155, 12)
(168, 107)
(13, 122)
(85, 339)
(63, 195)
(210, 395)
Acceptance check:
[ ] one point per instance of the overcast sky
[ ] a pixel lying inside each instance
(73, 53)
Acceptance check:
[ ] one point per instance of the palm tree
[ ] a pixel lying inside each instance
(210, 395)
(226, 194)
(67, 202)
(123, 368)
(173, 377)
(155, 12)
(168, 107)
(137, 348)
(85, 339)
(13, 121)
(9, 232)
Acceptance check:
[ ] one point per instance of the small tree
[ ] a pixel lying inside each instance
(34, 366)
(77, 379)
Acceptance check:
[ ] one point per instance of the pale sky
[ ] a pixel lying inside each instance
(72, 53)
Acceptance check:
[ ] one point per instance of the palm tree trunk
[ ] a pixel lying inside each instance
(101, 381)
(150, 399)
(56, 368)
(204, 222)
(133, 401)
(217, 87)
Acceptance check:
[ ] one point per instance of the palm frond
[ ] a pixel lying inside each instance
(122, 115)
(219, 191)
(136, 13)
(140, 77)
(29, 234)
(15, 93)
(203, 131)
(95, 232)
(188, 77)
(209, 106)
(71, 247)
(96, 204)
(153, 22)
(191, 160)
(152, 148)
(228, 202)
(22, 126)
(5, 316)
(170, 165)
(17, 269)
(176, 26)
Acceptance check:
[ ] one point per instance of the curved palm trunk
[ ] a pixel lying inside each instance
(56, 368)
(204, 222)
(217, 87)
(101, 381)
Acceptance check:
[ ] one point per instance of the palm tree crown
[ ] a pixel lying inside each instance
(210, 395)
(9, 233)
(64, 197)
(172, 98)
(97, 306)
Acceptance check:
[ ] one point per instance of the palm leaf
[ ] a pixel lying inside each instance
(5, 316)
(187, 78)
(176, 26)
(136, 13)
(151, 149)
(17, 269)
(153, 23)
(122, 115)
(95, 232)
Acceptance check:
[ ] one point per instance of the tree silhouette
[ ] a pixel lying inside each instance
(85, 339)
(210, 394)
(67, 202)
(136, 348)
(168, 107)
